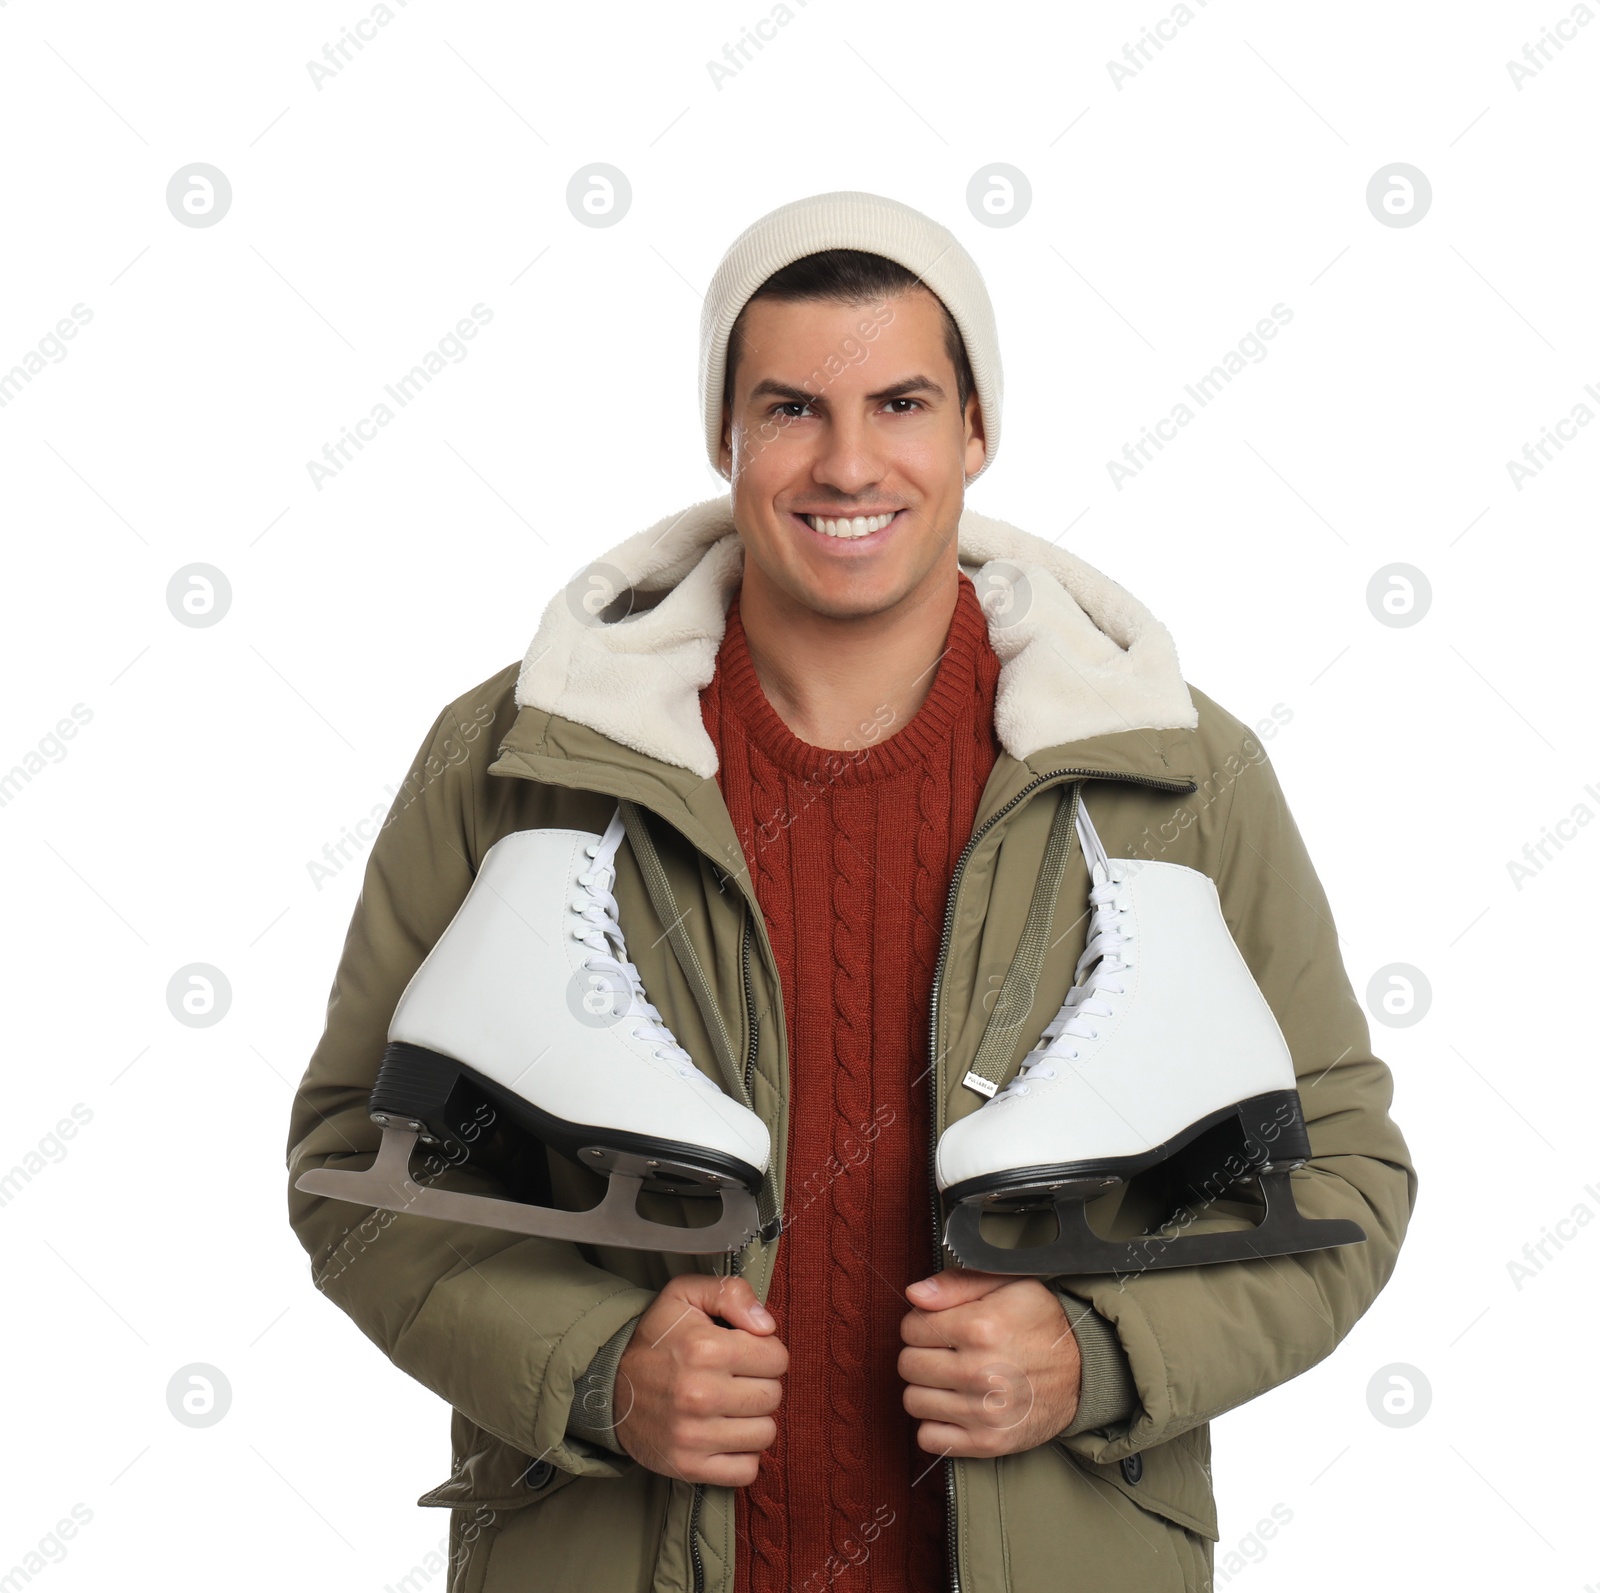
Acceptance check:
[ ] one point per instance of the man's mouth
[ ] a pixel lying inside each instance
(849, 528)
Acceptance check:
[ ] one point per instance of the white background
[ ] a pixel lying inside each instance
(1169, 214)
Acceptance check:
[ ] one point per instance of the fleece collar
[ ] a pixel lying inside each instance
(1080, 655)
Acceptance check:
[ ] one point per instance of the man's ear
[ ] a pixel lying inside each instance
(977, 447)
(725, 448)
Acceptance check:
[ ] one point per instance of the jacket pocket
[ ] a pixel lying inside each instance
(472, 1534)
(592, 1535)
(1172, 1479)
(1060, 1521)
(492, 1474)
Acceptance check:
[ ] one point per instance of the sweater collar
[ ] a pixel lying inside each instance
(962, 682)
(1080, 656)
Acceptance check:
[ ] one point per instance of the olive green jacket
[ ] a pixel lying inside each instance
(505, 1328)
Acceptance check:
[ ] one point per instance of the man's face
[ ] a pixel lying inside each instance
(844, 416)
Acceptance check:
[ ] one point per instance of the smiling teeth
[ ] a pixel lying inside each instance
(862, 526)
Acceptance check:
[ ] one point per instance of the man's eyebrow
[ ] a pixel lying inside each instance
(770, 389)
(767, 388)
(912, 384)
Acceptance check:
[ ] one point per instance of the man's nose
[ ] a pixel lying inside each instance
(848, 456)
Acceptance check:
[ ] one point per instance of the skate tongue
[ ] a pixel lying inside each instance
(604, 938)
(1094, 854)
(1101, 963)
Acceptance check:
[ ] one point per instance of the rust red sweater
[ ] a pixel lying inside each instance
(851, 855)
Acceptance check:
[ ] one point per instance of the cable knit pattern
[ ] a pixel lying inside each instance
(851, 854)
(848, 1214)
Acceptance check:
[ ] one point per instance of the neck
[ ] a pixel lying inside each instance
(838, 682)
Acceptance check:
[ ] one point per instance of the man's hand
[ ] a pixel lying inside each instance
(694, 1399)
(990, 1364)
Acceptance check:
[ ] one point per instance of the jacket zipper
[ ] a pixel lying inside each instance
(694, 1542)
(735, 1261)
(749, 1007)
(933, 1061)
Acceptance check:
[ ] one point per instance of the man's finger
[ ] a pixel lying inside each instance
(982, 1324)
(749, 1356)
(954, 1286)
(941, 1405)
(930, 1368)
(941, 1438)
(927, 1330)
(731, 1435)
(730, 1299)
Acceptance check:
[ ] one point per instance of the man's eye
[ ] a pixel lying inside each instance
(917, 402)
(791, 404)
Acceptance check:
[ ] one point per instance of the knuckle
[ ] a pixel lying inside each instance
(700, 1352)
(685, 1286)
(985, 1333)
(696, 1397)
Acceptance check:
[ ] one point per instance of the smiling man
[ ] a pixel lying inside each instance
(850, 712)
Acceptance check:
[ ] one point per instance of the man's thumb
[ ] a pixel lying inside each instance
(730, 1299)
(954, 1286)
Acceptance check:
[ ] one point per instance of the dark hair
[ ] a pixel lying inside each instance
(850, 276)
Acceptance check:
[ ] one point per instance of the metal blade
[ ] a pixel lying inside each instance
(1079, 1249)
(615, 1221)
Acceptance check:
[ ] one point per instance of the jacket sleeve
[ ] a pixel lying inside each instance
(1202, 1340)
(594, 1413)
(1106, 1394)
(500, 1326)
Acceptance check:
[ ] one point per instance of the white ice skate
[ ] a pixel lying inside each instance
(1165, 1051)
(528, 1016)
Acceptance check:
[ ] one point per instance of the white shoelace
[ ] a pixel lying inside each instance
(1104, 957)
(598, 908)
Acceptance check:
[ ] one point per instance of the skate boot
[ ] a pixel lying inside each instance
(527, 1018)
(1164, 1052)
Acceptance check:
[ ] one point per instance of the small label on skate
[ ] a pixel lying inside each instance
(984, 1087)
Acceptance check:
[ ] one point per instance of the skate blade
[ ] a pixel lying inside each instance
(615, 1221)
(1078, 1248)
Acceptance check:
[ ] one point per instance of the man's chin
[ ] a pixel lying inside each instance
(828, 577)
(845, 595)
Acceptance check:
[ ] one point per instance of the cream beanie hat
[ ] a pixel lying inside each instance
(850, 221)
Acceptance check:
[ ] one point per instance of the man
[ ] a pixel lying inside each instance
(849, 766)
